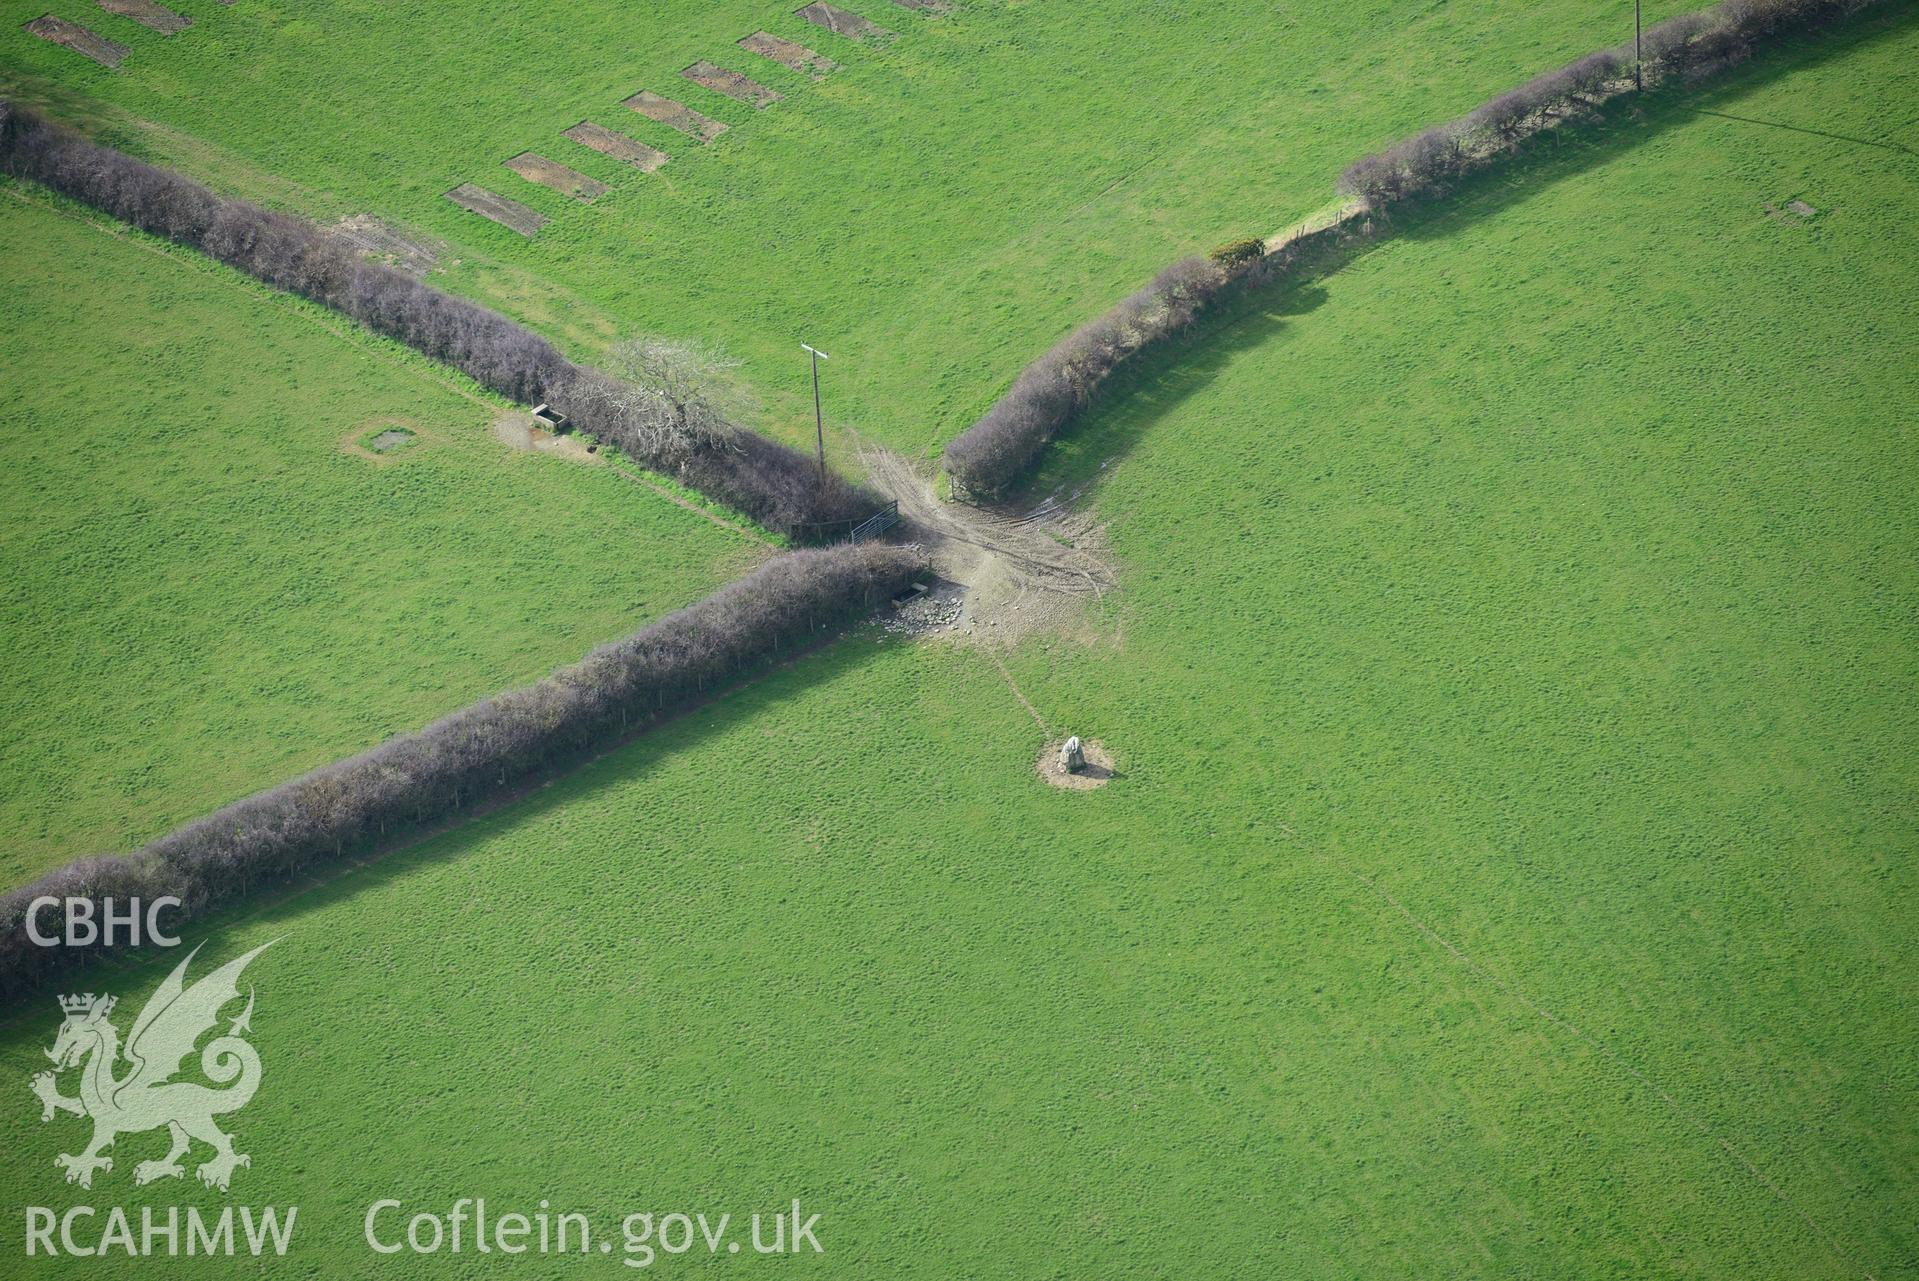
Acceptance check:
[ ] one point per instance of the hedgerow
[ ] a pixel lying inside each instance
(1052, 390)
(779, 487)
(1681, 50)
(477, 753)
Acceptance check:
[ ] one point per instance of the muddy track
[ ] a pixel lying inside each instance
(1021, 573)
(1047, 550)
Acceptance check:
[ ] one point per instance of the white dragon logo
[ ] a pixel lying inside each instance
(173, 1021)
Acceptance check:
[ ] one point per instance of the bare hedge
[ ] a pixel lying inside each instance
(1680, 50)
(1052, 390)
(777, 486)
(477, 753)
(781, 488)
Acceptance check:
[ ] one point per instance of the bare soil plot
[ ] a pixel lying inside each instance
(1019, 575)
(732, 84)
(617, 145)
(77, 38)
(534, 167)
(508, 213)
(840, 22)
(676, 115)
(1795, 212)
(788, 54)
(148, 14)
(929, 6)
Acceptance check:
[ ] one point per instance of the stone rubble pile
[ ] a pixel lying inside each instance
(933, 611)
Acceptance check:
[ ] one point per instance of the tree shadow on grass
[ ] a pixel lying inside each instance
(54, 99)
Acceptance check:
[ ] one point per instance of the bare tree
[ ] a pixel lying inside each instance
(690, 386)
(691, 378)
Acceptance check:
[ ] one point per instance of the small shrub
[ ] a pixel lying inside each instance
(1669, 47)
(1236, 254)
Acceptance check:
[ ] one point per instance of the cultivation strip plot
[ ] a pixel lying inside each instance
(676, 115)
(926, 6)
(148, 14)
(617, 145)
(77, 38)
(534, 167)
(732, 84)
(788, 54)
(508, 213)
(840, 22)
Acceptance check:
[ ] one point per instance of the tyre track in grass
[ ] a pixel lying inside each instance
(1020, 574)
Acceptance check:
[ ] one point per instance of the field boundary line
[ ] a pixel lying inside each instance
(1606, 1051)
(214, 272)
(15, 1012)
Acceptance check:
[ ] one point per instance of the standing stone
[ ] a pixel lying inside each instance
(1072, 757)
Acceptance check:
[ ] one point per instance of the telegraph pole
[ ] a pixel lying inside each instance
(819, 422)
(1638, 67)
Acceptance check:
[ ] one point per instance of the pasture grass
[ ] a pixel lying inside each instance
(212, 583)
(1513, 686)
(934, 214)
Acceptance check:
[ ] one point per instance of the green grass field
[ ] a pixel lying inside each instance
(1513, 684)
(207, 592)
(934, 214)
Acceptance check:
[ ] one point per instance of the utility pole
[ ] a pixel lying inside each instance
(1638, 67)
(819, 422)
